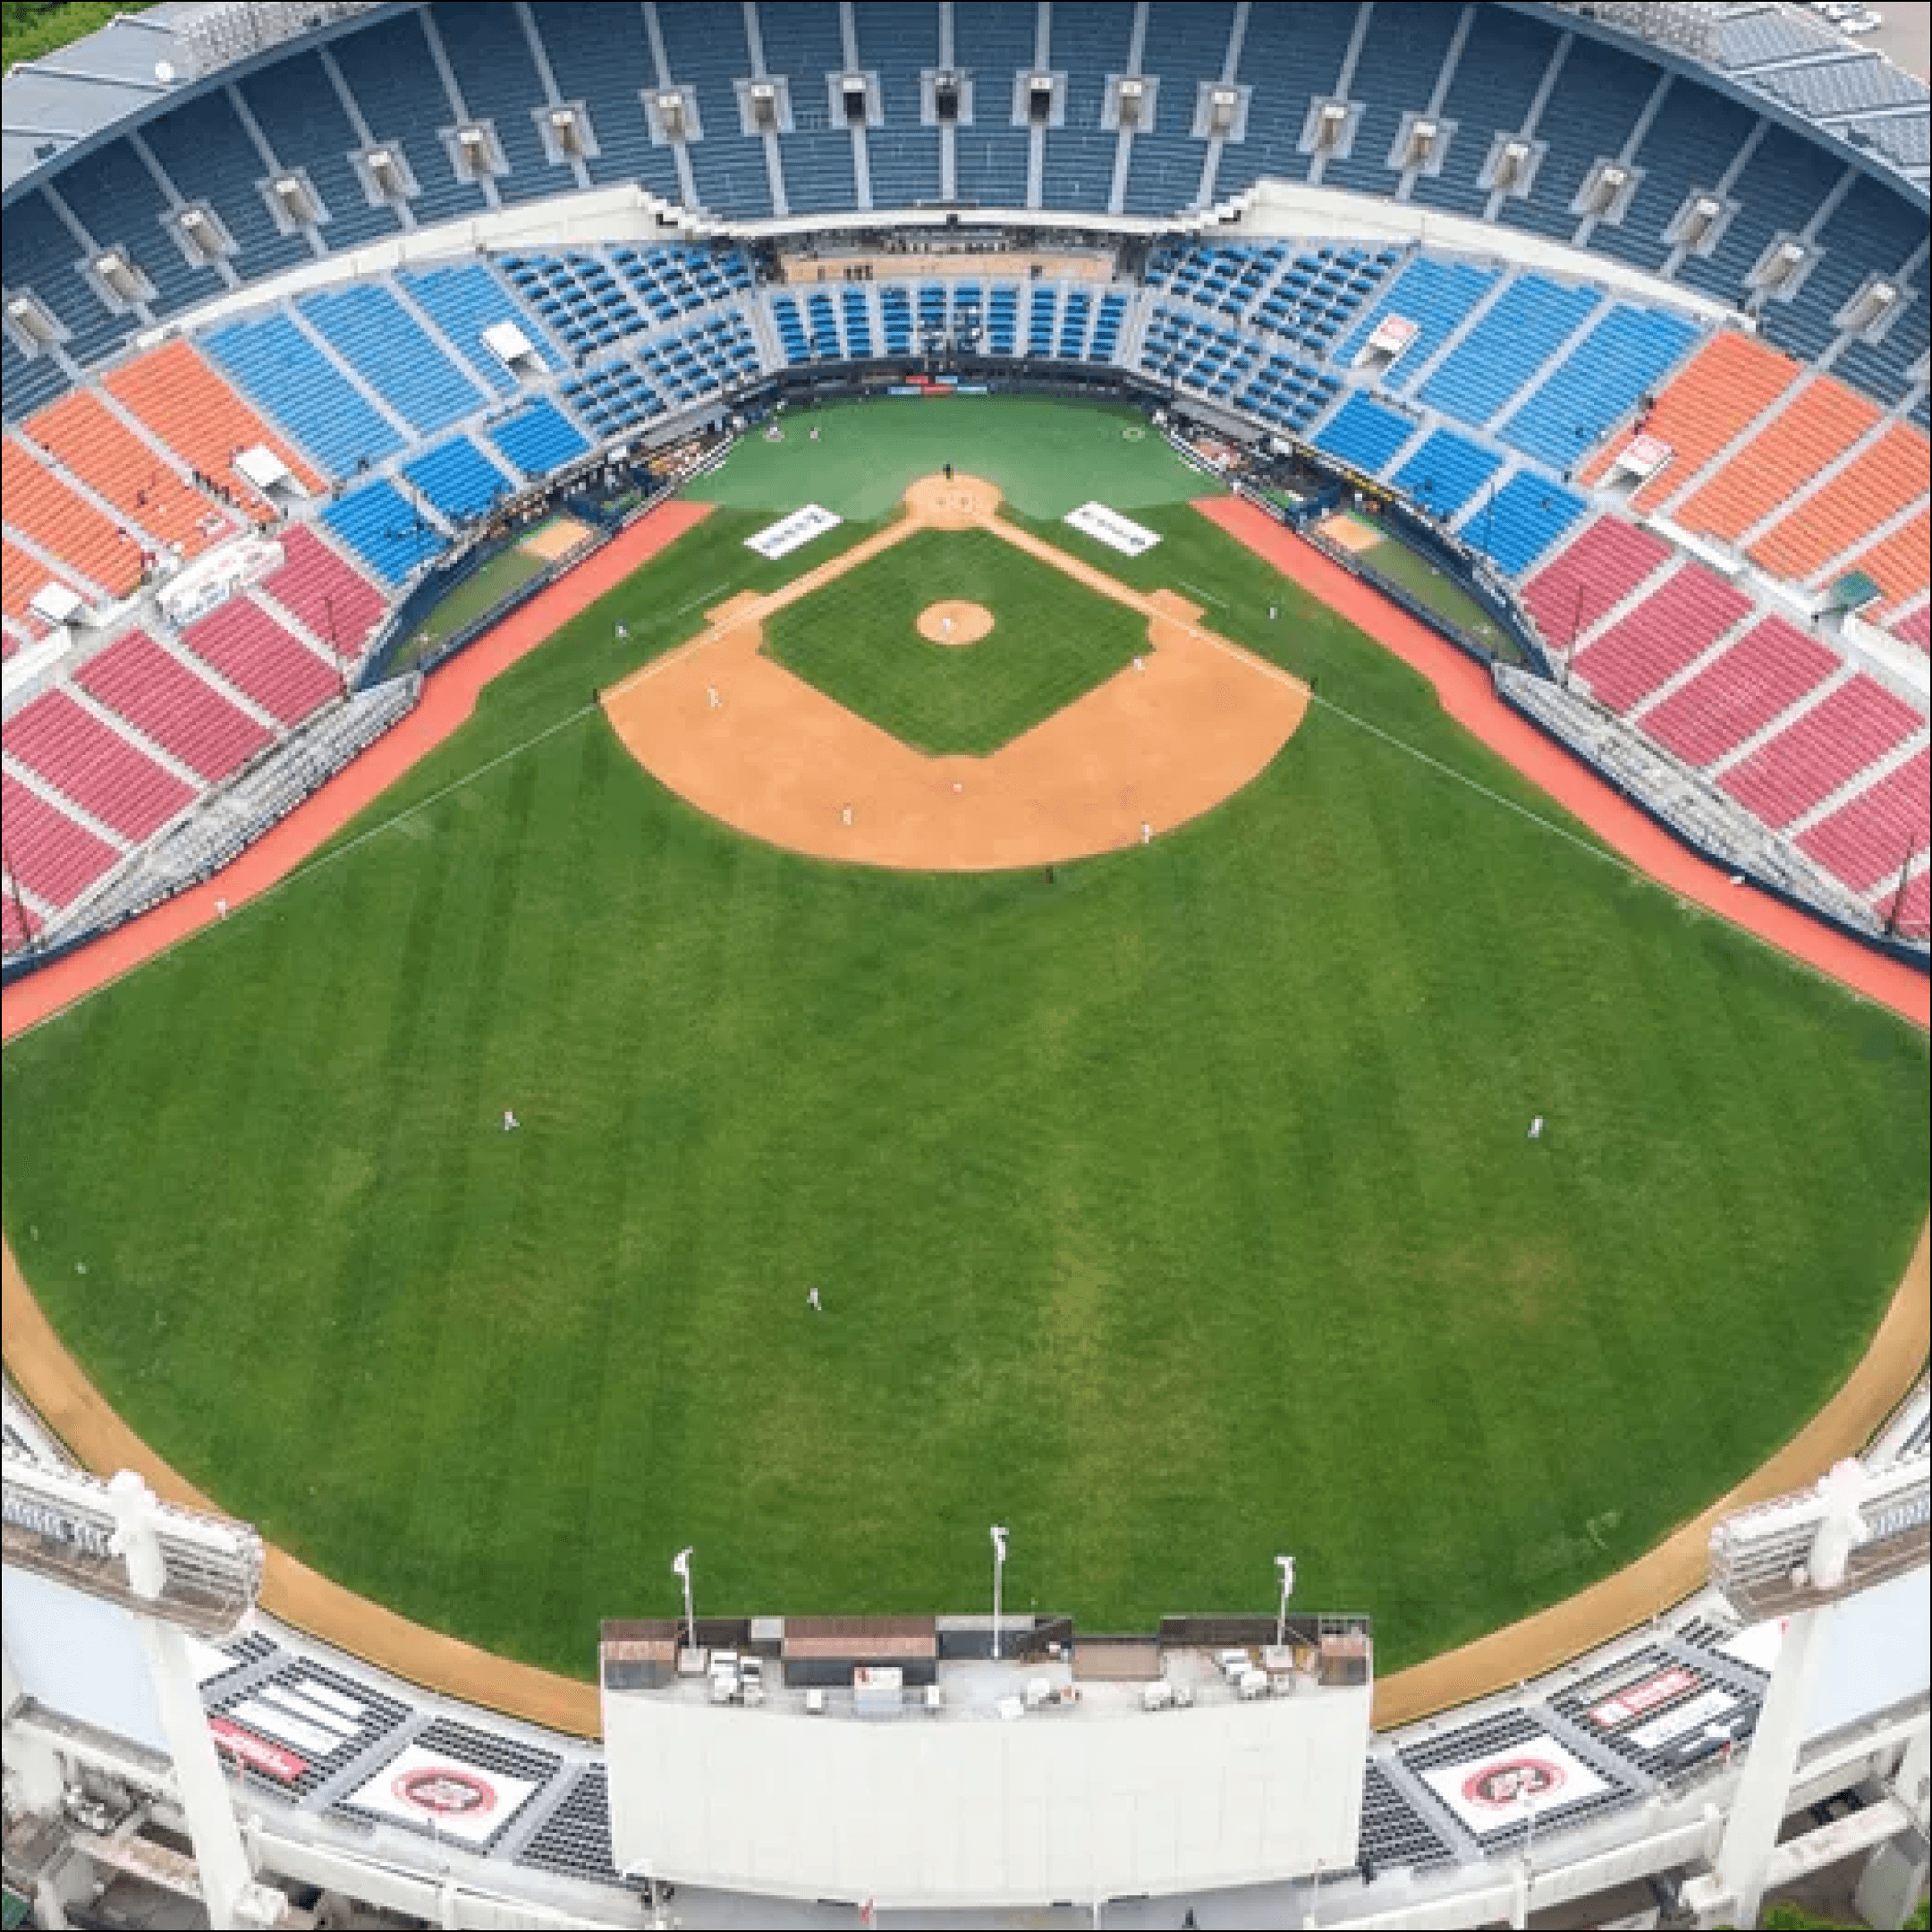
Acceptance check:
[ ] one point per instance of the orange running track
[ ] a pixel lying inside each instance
(1468, 698)
(448, 698)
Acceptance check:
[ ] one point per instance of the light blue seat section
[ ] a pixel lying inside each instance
(378, 523)
(1364, 433)
(1527, 325)
(1529, 513)
(1446, 473)
(458, 478)
(1435, 296)
(465, 299)
(382, 342)
(283, 374)
(538, 439)
(1623, 358)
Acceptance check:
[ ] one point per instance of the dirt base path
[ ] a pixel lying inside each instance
(447, 700)
(741, 738)
(1468, 698)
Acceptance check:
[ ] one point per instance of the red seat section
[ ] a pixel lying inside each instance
(1891, 475)
(1764, 672)
(109, 458)
(200, 418)
(1649, 644)
(263, 660)
(1914, 910)
(55, 859)
(1869, 838)
(92, 764)
(184, 713)
(18, 924)
(66, 525)
(1788, 776)
(1592, 577)
(337, 603)
(1916, 629)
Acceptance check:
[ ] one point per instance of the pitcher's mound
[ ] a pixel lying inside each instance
(954, 622)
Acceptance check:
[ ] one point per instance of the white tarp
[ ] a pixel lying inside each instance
(53, 603)
(509, 345)
(1877, 1654)
(1758, 1645)
(81, 1657)
(461, 1801)
(1109, 527)
(1509, 1787)
(792, 533)
(264, 470)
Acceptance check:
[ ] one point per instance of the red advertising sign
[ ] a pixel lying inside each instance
(1636, 1698)
(272, 1761)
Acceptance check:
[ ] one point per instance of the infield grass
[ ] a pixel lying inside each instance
(1052, 642)
(1174, 1213)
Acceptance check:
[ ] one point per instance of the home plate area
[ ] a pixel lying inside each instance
(1189, 723)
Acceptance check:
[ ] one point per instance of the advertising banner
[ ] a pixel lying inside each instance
(1682, 1721)
(792, 533)
(1109, 527)
(1634, 1700)
(1508, 1787)
(257, 1753)
(458, 1801)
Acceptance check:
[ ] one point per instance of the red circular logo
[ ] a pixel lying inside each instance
(445, 1791)
(1499, 1787)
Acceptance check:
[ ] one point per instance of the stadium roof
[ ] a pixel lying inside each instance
(1802, 69)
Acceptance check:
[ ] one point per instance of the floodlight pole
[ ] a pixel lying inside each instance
(999, 1570)
(681, 1569)
(1285, 1564)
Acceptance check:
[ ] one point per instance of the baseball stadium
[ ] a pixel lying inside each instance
(966, 962)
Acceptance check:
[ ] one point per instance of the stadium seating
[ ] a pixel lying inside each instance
(1821, 752)
(1526, 324)
(802, 42)
(371, 331)
(458, 478)
(378, 523)
(1668, 630)
(52, 855)
(184, 713)
(1183, 47)
(290, 379)
(1091, 40)
(706, 51)
(323, 593)
(120, 206)
(66, 525)
(1600, 382)
(1446, 473)
(609, 73)
(1401, 55)
(491, 61)
(308, 129)
(1868, 840)
(994, 39)
(1437, 296)
(578, 297)
(105, 774)
(1917, 628)
(266, 664)
(1574, 593)
(538, 439)
(899, 39)
(1365, 434)
(1897, 562)
(1740, 693)
(1883, 480)
(1520, 520)
(463, 300)
(1502, 64)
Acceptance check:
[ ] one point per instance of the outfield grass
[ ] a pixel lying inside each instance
(477, 595)
(1174, 1213)
(1047, 457)
(1053, 640)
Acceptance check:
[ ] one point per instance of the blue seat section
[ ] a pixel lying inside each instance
(1502, 64)
(1528, 515)
(793, 335)
(1626, 356)
(1178, 347)
(1401, 61)
(706, 48)
(1076, 317)
(1320, 293)
(1003, 318)
(821, 324)
(613, 398)
(802, 42)
(117, 200)
(537, 439)
(463, 300)
(895, 305)
(701, 360)
(1527, 323)
(1185, 45)
(1042, 314)
(609, 73)
(1290, 53)
(1590, 114)
(1446, 473)
(491, 61)
(1091, 38)
(210, 157)
(1226, 276)
(382, 342)
(42, 255)
(1109, 318)
(389, 70)
(1288, 395)
(1884, 367)
(1435, 296)
(29, 382)
(858, 318)
(992, 39)
(899, 38)
(296, 109)
(673, 281)
(1780, 189)
(458, 478)
(1870, 230)
(1364, 433)
(381, 526)
(284, 373)
(577, 297)
(1695, 137)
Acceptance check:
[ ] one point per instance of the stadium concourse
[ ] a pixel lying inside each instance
(1618, 314)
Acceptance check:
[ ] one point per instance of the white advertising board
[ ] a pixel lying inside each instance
(792, 533)
(1507, 1787)
(1705, 1708)
(1878, 1652)
(965, 1811)
(462, 1801)
(1111, 528)
(81, 1657)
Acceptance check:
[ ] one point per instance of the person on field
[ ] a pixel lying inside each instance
(813, 1302)
(510, 1122)
(1536, 1128)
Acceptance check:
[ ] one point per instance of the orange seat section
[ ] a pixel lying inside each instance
(1732, 380)
(110, 459)
(1898, 565)
(65, 525)
(21, 576)
(195, 413)
(1818, 426)
(1889, 477)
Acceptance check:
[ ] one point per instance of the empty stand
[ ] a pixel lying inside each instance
(1527, 324)
(1887, 477)
(284, 374)
(266, 664)
(376, 336)
(1624, 355)
(1437, 297)
(1868, 840)
(1897, 564)
(1364, 433)
(1592, 576)
(67, 527)
(458, 478)
(21, 576)
(54, 857)
(1446, 473)
(107, 775)
(182, 713)
(1790, 450)
(319, 589)
(463, 300)
(1796, 771)
(1520, 520)
(384, 529)
(1670, 629)
(1744, 689)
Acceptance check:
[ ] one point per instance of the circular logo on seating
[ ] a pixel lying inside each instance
(447, 1792)
(1501, 1785)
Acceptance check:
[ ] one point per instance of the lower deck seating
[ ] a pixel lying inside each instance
(54, 857)
(1817, 428)
(1870, 839)
(458, 478)
(1521, 520)
(106, 774)
(1733, 698)
(1591, 577)
(1669, 630)
(66, 525)
(1888, 477)
(1796, 771)
(182, 713)
(1365, 434)
(317, 588)
(384, 530)
(266, 664)
(538, 439)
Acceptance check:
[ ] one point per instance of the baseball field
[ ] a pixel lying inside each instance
(1176, 1208)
